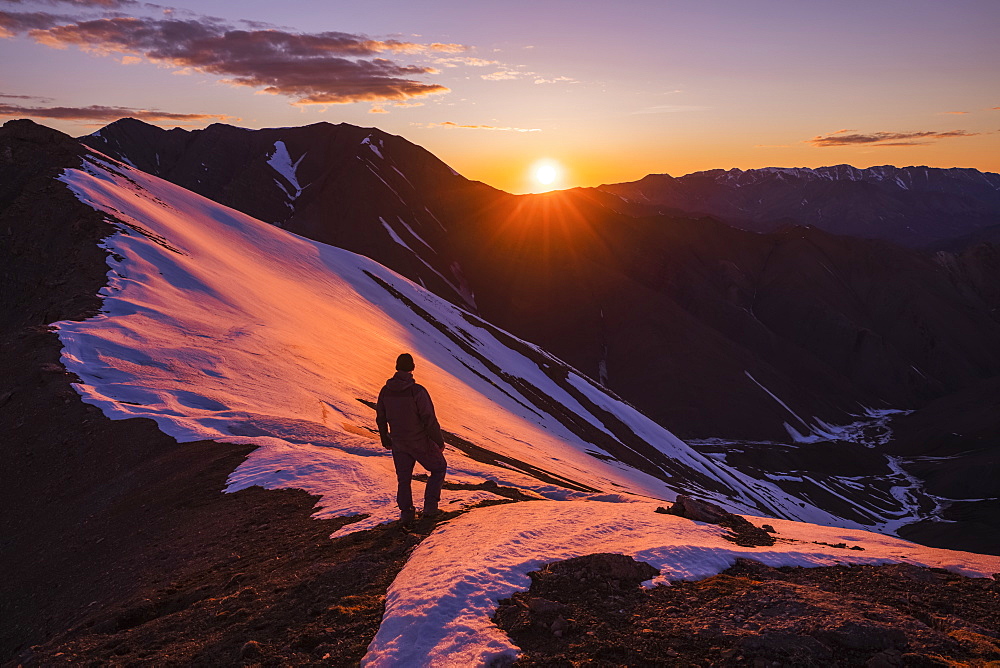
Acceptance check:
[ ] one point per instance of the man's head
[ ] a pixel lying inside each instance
(404, 362)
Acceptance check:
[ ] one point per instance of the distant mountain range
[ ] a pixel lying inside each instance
(912, 206)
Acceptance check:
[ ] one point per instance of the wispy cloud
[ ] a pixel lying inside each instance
(954, 113)
(456, 126)
(542, 80)
(95, 4)
(102, 113)
(309, 68)
(503, 75)
(669, 109)
(469, 61)
(12, 96)
(855, 138)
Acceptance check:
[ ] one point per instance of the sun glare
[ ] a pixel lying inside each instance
(546, 173)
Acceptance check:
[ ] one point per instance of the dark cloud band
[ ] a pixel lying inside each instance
(319, 68)
(101, 113)
(850, 138)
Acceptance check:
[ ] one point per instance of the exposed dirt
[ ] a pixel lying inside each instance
(262, 585)
(590, 611)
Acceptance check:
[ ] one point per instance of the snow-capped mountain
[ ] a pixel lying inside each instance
(710, 331)
(308, 331)
(913, 206)
(219, 326)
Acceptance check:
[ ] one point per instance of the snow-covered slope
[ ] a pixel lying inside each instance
(218, 326)
(221, 327)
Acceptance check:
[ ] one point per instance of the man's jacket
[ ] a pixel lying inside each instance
(405, 416)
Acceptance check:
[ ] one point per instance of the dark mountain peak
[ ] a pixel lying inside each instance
(30, 151)
(26, 130)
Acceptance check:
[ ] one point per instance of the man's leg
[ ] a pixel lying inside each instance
(403, 462)
(436, 465)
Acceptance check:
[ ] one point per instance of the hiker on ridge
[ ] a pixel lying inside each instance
(407, 425)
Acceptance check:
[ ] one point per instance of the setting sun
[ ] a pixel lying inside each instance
(547, 173)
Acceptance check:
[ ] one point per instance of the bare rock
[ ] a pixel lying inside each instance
(250, 650)
(743, 532)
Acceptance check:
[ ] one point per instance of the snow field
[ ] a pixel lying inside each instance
(439, 607)
(221, 327)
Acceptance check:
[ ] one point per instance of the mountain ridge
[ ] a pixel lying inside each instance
(912, 206)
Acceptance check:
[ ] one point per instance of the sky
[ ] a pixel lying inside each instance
(599, 92)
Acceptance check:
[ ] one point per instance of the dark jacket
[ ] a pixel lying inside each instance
(405, 415)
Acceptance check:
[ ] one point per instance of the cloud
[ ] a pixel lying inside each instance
(13, 23)
(502, 75)
(12, 96)
(450, 125)
(317, 68)
(669, 109)
(954, 113)
(556, 80)
(465, 60)
(100, 4)
(845, 138)
(102, 113)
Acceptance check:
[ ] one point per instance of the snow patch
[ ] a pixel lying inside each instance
(367, 141)
(281, 162)
(439, 607)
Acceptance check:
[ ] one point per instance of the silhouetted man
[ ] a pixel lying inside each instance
(407, 424)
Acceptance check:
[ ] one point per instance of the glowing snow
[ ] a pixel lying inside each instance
(439, 607)
(221, 327)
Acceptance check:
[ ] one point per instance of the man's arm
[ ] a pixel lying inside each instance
(425, 409)
(382, 423)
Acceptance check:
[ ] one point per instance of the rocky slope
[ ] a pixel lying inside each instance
(590, 609)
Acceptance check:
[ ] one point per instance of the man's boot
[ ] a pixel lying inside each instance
(407, 516)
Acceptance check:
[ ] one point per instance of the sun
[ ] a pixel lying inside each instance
(546, 172)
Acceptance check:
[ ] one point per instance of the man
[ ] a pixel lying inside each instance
(407, 425)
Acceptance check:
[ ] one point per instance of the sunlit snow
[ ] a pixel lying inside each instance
(219, 326)
(439, 607)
